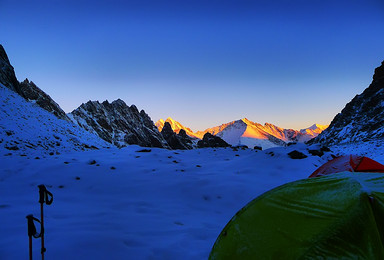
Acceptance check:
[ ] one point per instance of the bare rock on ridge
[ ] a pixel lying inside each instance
(176, 141)
(362, 119)
(118, 123)
(210, 140)
(32, 93)
(7, 73)
(27, 89)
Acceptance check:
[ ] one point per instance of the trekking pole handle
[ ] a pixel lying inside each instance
(31, 227)
(44, 195)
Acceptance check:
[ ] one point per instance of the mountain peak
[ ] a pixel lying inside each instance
(362, 118)
(170, 119)
(3, 55)
(379, 72)
(176, 126)
(317, 126)
(7, 73)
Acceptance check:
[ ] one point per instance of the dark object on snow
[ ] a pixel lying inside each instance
(240, 146)
(325, 149)
(291, 143)
(316, 152)
(144, 151)
(210, 140)
(258, 148)
(91, 162)
(297, 155)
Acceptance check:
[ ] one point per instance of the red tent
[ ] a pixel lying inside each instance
(351, 163)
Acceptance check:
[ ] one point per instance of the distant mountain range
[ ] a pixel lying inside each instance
(94, 124)
(246, 132)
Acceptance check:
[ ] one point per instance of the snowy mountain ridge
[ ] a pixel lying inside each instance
(113, 122)
(246, 132)
(118, 123)
(362, 119)
(25, 126)
(27, 89)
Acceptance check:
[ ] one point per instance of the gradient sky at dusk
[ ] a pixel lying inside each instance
(204, 63)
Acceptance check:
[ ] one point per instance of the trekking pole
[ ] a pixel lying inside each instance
(44, 197)
(32, 232)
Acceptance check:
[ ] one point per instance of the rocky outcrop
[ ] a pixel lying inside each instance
(362, 119)
(118, 124)
(32, 93)
(177, 127)
(7, 73)
(27, 89)
(297, 155)
(210, 140)
(176, 141)
(185, 138)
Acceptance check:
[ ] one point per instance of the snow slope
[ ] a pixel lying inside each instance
(125, 204)
(25, 126)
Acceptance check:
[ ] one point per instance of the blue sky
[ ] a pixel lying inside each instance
(204, 63)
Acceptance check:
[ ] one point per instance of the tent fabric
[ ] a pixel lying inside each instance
(338, 216)
(351, 163)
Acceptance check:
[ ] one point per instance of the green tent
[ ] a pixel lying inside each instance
(339, 216)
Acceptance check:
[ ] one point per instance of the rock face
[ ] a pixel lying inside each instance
(118, 124)
(176, 141)
(177, 127)
(297, 155)
(7, 73)
(210, 140)
(27, 89)
(362, 119)
(32, 93)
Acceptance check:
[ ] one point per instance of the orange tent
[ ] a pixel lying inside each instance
(351, 163)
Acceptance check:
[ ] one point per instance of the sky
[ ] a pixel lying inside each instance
(291, 63)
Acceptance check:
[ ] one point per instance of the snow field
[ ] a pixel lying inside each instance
(151, 205)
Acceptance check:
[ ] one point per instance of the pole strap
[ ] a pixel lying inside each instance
(31, 227)
(44, 195)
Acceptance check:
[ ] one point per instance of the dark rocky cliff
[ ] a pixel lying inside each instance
(362, 119)
(27, 89)
(119, 124)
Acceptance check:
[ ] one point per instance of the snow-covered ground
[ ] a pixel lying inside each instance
(125, 204)
(371, 149)
(122, 203)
